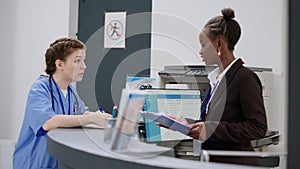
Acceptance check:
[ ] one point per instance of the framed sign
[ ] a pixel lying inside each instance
(115, 27)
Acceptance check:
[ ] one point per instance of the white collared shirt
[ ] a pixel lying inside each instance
(215, 77)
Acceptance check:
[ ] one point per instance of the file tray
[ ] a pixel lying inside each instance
(183, 148)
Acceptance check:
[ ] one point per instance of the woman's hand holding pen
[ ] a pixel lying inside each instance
(198, 131)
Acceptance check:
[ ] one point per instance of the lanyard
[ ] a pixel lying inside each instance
(203, 111)
(60, 97)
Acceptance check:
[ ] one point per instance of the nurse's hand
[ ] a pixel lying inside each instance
(198, 131)
(87, 113)
(98, 118)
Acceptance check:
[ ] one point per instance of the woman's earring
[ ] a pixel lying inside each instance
(219, 52)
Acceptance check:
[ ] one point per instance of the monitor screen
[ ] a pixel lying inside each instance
(174, 102)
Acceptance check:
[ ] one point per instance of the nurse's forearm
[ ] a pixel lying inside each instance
(75, 120)
(66, 121)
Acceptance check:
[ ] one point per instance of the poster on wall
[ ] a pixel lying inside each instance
(115, 27)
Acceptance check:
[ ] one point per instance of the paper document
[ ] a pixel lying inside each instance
(167, 121)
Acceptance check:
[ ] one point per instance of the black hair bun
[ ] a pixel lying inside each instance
(228, 13)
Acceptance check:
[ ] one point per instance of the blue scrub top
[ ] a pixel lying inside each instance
(31, 150)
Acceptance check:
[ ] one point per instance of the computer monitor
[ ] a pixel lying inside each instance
(174, 102)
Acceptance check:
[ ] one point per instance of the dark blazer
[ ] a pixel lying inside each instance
(236, 114)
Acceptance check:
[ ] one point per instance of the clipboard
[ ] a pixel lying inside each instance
(167, 121)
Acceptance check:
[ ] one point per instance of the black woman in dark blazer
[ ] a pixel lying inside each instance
(233, 111)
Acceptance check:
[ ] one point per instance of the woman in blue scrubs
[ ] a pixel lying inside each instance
(53, 102)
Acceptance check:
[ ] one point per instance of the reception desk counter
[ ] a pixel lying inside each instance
(84, 148)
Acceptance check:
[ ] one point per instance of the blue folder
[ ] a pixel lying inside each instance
(167, 121)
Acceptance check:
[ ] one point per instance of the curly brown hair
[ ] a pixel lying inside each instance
(59, 50)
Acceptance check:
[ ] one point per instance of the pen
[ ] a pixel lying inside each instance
(114, 111)
(100, 109)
